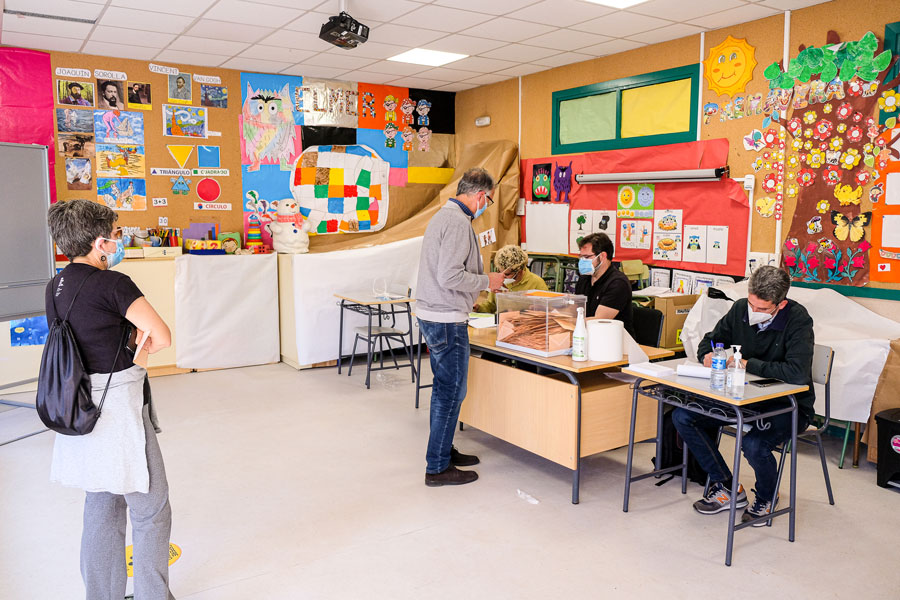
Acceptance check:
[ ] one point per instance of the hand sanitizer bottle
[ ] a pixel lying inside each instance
(737, 379)
(579, 338)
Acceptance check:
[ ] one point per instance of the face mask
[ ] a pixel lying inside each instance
(758, 318)
(481, 210)
(114, 258)
(585, 266)
(509, 281)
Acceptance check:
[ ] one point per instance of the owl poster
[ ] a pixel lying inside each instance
(267, 124)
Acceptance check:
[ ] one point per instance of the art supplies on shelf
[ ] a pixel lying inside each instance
(537, 322)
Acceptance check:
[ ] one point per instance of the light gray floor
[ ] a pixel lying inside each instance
(289, 484)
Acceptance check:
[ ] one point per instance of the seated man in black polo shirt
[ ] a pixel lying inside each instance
(608, 290)
(777, 340)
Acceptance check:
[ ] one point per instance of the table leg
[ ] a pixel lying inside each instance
(576, 478)
(856, 445)
(735, 483)
(370, 347)
(634, 403)
(793, 516)
(341, 337)
(415, 373)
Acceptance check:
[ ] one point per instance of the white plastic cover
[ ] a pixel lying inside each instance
(860, 339)
(226, 311)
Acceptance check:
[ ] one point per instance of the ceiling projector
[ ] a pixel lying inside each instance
(344, 31)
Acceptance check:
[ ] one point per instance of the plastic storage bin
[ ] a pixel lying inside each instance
(888, 422)
(537, 322)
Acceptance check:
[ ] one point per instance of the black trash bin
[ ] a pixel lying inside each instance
(888, 422)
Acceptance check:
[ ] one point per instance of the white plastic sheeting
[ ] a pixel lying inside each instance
(318, 277)
(860, 339)
(226, 311)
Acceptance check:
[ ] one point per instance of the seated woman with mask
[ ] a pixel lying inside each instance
(514, 261)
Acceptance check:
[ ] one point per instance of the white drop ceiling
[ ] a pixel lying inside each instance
(504, 38)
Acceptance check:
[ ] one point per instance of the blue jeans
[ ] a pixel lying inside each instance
(448, 347)
(699, 433)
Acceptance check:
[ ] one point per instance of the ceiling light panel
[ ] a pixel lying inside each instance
(431, 58)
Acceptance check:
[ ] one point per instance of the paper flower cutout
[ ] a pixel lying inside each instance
(850, 158)
(793, 161)
(815, 159)
(808, 132)
(790, 260)
(854, 134)
(812, 261)
(790, 243)
(792, 191)
(806, 177)
(862, 178)
(830, 262)
(857, 261)
(770, 137)
(823, 206)
(836, 143)
(864, 246)
(809, 117)
(827, 108)
(807, 145)
(822, 129)
(854, 87)
(844, 111)
(842, 127)
(770, 182)
(796, 144)
(869, 148)
(857, 117)
(889, 101)
(832, 175)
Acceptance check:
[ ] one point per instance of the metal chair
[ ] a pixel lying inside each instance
(648, 325)
(382, 335)
(823, 359)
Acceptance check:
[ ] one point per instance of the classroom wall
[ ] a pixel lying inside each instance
(849, 18)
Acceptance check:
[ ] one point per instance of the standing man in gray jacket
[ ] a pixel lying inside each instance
(451, 275)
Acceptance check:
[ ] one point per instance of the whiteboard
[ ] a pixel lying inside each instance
(26, 251)
(547, 227)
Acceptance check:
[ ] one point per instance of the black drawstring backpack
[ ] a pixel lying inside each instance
(64, 386)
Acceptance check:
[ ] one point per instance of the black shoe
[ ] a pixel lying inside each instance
(458, 459)
(450, 476)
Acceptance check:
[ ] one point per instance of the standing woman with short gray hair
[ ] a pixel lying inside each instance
(119, 463)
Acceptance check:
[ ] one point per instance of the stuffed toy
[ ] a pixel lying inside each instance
(289, 230)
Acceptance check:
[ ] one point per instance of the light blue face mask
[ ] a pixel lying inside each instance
(482, 209)
(585, 266)
(117, 256)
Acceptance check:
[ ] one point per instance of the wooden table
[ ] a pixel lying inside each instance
(368, 304)
(693, 394)
(571, 411)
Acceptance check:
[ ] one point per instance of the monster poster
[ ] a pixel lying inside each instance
(540, 181)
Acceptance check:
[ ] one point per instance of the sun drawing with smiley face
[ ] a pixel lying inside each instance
(729, 67)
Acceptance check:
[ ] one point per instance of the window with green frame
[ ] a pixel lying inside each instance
(892, 43)
(647, 110)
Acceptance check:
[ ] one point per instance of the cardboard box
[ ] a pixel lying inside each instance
(675, 309)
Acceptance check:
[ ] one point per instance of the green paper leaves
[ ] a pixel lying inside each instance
(786, 82)
(891, 123)
(829, 72)
(773, 71)
(869, 160)
(883, 60)
(868, 43)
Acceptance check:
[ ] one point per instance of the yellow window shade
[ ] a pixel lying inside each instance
(429, 175)
(657, 109)
(588, 119)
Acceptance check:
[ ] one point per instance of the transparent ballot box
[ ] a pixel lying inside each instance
(537, 322)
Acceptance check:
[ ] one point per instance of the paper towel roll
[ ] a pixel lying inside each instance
(605, 340)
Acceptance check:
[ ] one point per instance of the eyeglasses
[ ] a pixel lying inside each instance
(589, 256)
(490, 200)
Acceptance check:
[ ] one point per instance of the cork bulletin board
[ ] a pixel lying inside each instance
(222, 132)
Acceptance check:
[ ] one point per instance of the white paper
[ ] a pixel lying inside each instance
(482, 322)
(717, 244)
(655, 291)
(694, 370)
(702, 283)
(546, 227)
(892, 189)
(682, 282)
(486, 238)
(667, 221)
(635, 234)
(694, 244)
(667, 246)
(633, 350)
(890, 230)
(605, 222)
(652, 369)
(580, 222)
(661, 278)
(721, 280)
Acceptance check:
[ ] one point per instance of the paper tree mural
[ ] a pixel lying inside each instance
(826, 155)
(341, 189)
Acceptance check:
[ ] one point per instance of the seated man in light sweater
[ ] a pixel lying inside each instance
(451, 275)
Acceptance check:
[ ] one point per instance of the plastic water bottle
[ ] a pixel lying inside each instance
(736, 389)
(717, 377)
(579, 338)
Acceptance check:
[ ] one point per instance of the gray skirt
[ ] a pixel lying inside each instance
(112, 458)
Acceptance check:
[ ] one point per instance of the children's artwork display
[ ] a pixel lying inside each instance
(78, 174)
(341, 189)
(75, 145)
(540, 182)
(694, 244)
(579, 228)
(120, 160)
(214, 96)
(180, 88)
(70, 120)
(729, 67)
(118, 127)
(682, 282)
(666, 246)
(184, 121)
(717, 244)
(637, 234)
(701, 283)
(661, 278)
(122, 194)
(636, 200)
